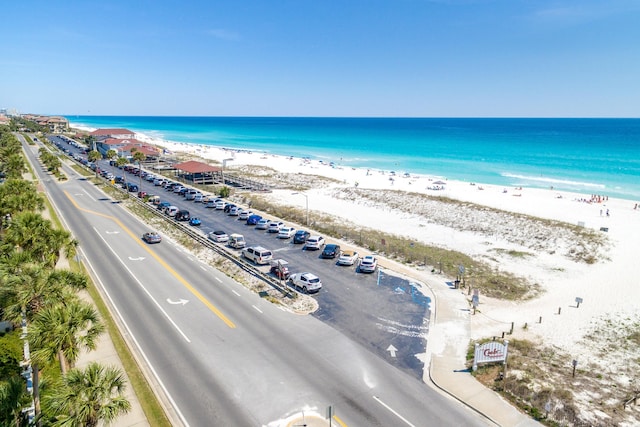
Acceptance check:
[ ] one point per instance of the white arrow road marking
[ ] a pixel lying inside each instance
(180, 301)
(140, 258)
(392, 350)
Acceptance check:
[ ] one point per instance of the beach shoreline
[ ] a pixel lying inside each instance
(562, 280)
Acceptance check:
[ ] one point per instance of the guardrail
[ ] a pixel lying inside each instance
(200, 238)
(218, 249)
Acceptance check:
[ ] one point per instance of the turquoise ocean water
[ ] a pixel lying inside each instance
(590, 156)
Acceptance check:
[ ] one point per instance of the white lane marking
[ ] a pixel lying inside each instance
(203, 268)
(90, 196)
(174, 405)
(218, 279)
(143, 288)
(392, 411)
(257, 309)
(235, 292)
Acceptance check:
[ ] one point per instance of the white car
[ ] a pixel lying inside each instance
(263, 224)
(314, 242)
(218, 236)
(235, 211)
(245, 214)
(348, 258)
(219, 205)
(368, 264)
(275, 226)
(308, 282)
(286, 232)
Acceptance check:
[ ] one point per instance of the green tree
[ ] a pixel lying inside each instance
(29, 232)
(93, 157)
(138, 157)
(120, 162)
(34, 287)
(14, 165)
(112, 155)
(88, 396)
(18, 195)
(12, 397)
(62, 331)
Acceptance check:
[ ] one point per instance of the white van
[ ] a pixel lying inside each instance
(237, 241)
(171, 210)
(257, 254)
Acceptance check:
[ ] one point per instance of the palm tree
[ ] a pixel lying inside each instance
(62, 331)
(138, 156)
(33, 287)
(14, 165)
(94, 156)
(88, 396)
(120, 162)
(111, 155)
(12, 392)
(18, 195)
(31, 233)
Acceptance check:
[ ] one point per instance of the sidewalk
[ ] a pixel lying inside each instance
(447, 343)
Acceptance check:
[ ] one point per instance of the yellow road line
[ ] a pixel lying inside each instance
(339, 421)
(175, 274)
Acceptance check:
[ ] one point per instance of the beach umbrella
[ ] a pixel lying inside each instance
(440, 183)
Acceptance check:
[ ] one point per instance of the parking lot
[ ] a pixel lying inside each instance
(381, 311)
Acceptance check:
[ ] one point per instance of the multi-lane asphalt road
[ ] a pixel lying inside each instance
(220, 354)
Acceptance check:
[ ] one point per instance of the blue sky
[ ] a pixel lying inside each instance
(413, 58)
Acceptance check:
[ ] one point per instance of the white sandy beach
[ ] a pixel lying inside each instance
(608, 288)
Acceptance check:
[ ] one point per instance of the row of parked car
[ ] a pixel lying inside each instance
(304, 281)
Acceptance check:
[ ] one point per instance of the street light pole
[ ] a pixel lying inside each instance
(307, 204)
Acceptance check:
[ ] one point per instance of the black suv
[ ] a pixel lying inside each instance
(301, 236)
(183, 216)
(330, 251)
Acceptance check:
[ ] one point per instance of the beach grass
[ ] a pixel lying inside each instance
(480, 275)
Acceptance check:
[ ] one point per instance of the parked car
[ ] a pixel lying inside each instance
(177, 188)
(183, 215)
(245, 214)
(218, 236)
(308, 282)
(163, 205)
(314, 243)
(171, 210)
(237, 241)
(330, 251)
(274, 226)
(279, 268)
(152, 237)
(263, 224)
(133, 188)
(142, 194)
(257, 254)
(286, 232)
(253, 219)
(220, 204)
(195, 221)
(198, 198)
(348, 258)
(191, 194)
(210, 204)
(228, 207)
(368, 264)
(235, 211)
(301, 236)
